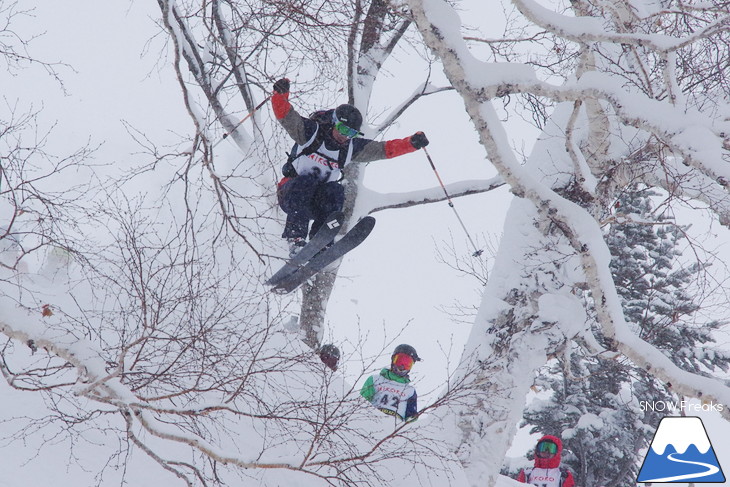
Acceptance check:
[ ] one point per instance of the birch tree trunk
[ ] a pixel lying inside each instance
(553, 247)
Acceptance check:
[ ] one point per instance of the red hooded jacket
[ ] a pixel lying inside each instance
(552, 463)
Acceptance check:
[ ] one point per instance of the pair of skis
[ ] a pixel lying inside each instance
(318, 253)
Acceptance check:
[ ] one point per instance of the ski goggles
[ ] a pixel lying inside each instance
(348, 132)
(403, 361)
(547, 447)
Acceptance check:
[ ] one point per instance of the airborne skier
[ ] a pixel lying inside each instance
(324, 144)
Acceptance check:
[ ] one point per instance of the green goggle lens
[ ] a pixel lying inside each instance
(348, 132)
(547, 446)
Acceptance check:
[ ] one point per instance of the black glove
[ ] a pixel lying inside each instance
(282, 86)
(419, 140)
(288, 170)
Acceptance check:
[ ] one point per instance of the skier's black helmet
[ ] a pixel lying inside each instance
(408, 350)
(348, 115)
(330, 349)
(329, 355)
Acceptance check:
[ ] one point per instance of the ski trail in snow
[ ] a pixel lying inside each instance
(711, 470)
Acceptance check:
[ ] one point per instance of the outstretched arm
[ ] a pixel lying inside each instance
(299, 128)
(365, 150)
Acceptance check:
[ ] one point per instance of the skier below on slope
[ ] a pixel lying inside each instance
(325, 143)
(547, 471)
(391, 391)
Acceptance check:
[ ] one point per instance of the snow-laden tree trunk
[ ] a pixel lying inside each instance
(371, 40)
(528, 313)
(528, 309)
(553, 246)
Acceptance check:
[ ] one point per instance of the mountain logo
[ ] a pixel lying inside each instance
(681, 452)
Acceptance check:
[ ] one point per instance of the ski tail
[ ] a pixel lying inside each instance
(354, 237)
(324, 236)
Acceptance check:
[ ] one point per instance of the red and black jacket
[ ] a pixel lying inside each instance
(302, 129)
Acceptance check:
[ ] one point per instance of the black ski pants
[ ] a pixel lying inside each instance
(306, 198)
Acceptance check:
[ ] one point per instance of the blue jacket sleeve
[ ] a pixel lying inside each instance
(412, 408)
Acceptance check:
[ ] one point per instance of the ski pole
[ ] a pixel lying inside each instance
(242, 120)
(477, 251)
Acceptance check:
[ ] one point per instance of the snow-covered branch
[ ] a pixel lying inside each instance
(586, 29)
(380, 201)
(424, 90)
(186, 48)
(106, 388)
(697, 139)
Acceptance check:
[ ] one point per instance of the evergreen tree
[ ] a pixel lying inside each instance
(594, 403)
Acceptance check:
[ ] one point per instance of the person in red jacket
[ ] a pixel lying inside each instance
(547, 471)
(324, 143)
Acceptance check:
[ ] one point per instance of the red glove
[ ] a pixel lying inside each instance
(280, 98)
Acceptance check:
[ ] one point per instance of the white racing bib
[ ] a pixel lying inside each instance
(317, 164)
(544, 477)
(391, 396)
